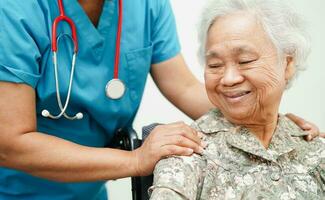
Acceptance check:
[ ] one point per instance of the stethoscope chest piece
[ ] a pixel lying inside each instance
(115, 89)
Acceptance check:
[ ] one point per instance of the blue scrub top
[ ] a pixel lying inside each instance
(148, 36)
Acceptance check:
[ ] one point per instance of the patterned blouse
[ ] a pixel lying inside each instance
(235, 165)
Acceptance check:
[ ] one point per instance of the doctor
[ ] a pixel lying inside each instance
(57, 115)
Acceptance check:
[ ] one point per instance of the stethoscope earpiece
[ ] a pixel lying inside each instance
(45, 113)
(79, 115)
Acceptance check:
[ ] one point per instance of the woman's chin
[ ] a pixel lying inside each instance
(237, 116)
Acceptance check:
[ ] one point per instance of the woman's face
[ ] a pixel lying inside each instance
(244, 76)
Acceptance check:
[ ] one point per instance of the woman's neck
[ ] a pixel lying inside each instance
(93, 9)
(264, 131)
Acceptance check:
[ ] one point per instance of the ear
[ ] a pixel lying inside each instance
(290, 68)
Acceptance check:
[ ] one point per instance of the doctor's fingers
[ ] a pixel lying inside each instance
(312, 131)
(172, 150)
(309, 127)
(322, 135)
(181, 141)
(183, 126)
(179, 128)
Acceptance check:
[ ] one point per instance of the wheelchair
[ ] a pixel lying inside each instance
(127, 139)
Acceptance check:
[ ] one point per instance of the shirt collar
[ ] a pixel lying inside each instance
(85, 28)
(213, 122)
(241, 138)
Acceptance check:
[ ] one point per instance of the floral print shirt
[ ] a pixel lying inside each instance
(235, 165)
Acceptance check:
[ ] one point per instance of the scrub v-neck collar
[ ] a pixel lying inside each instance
(95, 37)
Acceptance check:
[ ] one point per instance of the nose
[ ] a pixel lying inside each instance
(231, 76)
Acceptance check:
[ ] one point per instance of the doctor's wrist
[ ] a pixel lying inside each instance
(135, 163)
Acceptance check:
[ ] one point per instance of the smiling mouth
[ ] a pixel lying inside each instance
(235, 96)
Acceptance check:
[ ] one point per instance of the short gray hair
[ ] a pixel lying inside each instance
(283, 25)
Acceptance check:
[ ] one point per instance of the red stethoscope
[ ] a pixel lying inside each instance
(114, 88)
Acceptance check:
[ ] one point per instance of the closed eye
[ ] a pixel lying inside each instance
(214, 65)
(246, 62)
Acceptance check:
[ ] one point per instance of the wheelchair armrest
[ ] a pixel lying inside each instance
(133, 141)
(126, 139)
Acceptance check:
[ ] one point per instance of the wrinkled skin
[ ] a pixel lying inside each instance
(245, 76)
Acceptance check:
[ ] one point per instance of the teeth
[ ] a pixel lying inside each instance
(237, 95)
(243, 93)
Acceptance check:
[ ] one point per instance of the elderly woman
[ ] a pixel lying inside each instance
(252, 50)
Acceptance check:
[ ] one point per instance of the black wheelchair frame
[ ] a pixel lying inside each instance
(128, 140)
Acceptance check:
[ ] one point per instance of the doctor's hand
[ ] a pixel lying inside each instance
(312, 130)
(166, 140)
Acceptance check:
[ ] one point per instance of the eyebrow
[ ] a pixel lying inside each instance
(211, 53)
(236, 50)
(242, 49)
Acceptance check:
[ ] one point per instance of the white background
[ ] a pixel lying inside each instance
(306, 98)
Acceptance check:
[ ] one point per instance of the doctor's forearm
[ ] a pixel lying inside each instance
(181, 87)
(194, 101)
(47, 156)
(59, 160)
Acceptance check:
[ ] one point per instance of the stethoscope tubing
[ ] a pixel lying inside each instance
(73, 37)
(54, 47)
(63, 109)
(118, 40)
(57, 20)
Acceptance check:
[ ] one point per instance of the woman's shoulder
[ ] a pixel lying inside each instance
(212, 122)
(215, 128)
(312, 149)
(298, 135)
(310, 153)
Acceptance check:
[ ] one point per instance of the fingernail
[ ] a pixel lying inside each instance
(308, 137)
(200, 150)
(189, 151)
(307, 126)
(203, 144)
